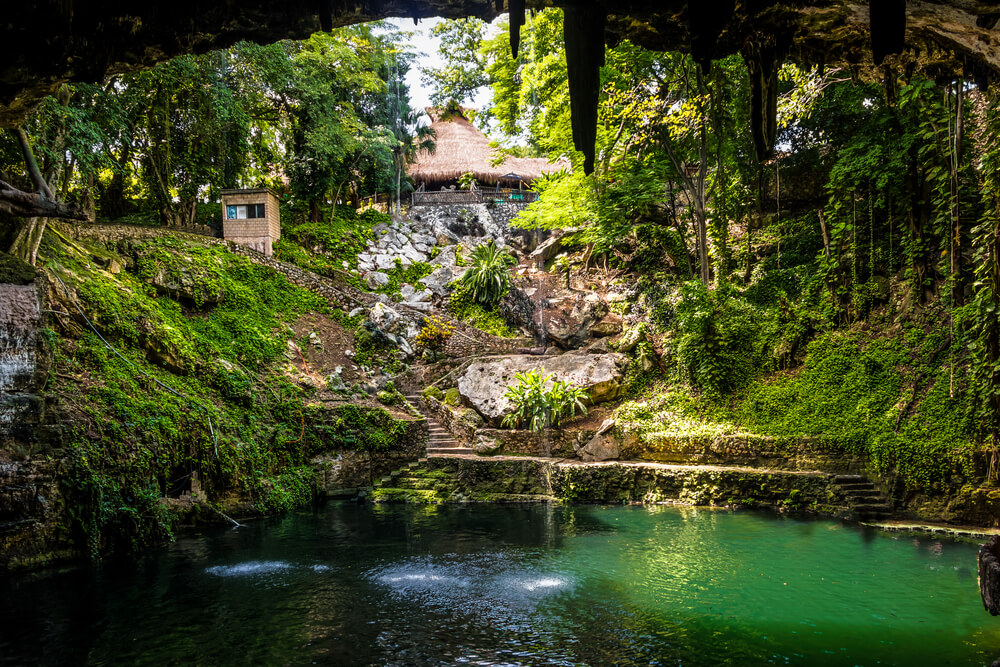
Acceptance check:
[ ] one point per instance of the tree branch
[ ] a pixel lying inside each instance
(32, 164)
(28, 204)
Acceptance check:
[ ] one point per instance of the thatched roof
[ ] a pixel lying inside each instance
(461, 149)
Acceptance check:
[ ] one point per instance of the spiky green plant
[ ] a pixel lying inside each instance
(488, 278)
(537, 407)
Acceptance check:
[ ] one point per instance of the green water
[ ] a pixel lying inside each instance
(511, 585)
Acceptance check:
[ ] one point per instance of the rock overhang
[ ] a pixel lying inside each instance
(47, 43)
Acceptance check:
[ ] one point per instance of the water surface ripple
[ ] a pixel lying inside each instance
(512, 585)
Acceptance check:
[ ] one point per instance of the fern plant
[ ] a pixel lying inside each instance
(538, 408)
(487, 278)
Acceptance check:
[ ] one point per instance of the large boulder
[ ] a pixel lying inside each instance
(484, 382)
(602, 447)
(569, 321)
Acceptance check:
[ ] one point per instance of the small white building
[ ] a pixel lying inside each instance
(251, 218)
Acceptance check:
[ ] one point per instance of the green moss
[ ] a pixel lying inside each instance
(433, 392)
(850, 394)
(388, 398)
(325, 247)
(452, 397)
(235, 418)
(15, 271)
(463, 306)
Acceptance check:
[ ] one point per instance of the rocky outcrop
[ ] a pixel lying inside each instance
(989, 575)
(570, 317)
(484, 383)
(20, 318)
(603, 446)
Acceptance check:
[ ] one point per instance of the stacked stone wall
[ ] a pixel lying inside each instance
(341, 473)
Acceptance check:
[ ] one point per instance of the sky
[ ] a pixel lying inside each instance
(426, 47)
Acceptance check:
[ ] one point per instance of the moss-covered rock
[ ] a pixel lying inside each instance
(452, 397)
(433, 392)
(15, 271)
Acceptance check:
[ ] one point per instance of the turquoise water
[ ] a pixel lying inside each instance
(513, 585)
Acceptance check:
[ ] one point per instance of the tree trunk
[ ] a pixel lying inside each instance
(25, 246)
(701, 216)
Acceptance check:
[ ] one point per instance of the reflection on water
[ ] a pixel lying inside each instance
(513, 585)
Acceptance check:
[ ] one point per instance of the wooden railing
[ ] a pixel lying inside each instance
(473, 196)
(374, 200)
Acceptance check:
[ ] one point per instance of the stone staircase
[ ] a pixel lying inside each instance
(864, 500)
(414, 483)
(439, 442)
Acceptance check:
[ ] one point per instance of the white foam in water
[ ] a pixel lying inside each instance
(249, 568)
(259, 567)
(499, 588)
(543, 583)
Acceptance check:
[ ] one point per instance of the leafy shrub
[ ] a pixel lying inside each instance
(538, 407)
(388, 398)
(488, 278)
(434, 334)
(723, 342)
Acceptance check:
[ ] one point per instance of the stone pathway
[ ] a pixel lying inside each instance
(439, 442)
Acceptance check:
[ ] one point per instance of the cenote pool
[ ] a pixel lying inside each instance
(513, 585)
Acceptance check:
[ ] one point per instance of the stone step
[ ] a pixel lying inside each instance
(846, 479)
(870, 508)
(862, 493)
(446, 451)
(857, 486)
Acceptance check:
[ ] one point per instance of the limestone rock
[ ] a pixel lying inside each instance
(376, 279)
(609, 326)
(631, 338)
(569, 326)
(382, 316)
(602, 447)
(484, 382)
(485, 446)
(599, 346)
(437, 281)
(545, 251)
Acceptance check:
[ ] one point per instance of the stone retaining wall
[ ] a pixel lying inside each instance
(485, 479)
(341, 473)
(758, 451)
(556, 443)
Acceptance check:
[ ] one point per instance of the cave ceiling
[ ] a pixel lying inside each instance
(50, 42)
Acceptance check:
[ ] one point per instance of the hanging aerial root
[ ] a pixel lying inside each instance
(763, 58)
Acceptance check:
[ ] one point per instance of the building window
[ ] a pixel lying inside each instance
(244, 211)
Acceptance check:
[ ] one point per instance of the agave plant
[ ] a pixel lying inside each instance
(537, 407)
(488, 279)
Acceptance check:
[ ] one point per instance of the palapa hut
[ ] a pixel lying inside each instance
(460, 149)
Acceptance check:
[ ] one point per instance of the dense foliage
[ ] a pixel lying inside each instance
(541, 402)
